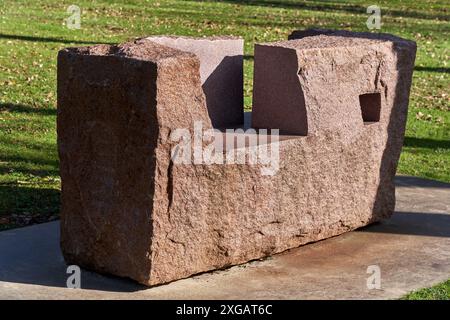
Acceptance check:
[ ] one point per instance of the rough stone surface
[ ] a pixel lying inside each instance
(129, 210)
(411, 249)
(221, 73)
(312, 85)
(116, 108)
(300, 34)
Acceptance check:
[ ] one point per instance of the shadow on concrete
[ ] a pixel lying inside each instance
(48, 39)
(32, 256)
(413, 223)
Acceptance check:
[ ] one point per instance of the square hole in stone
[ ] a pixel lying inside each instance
(370, 107)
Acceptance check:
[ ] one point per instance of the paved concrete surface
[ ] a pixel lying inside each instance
(412, 250)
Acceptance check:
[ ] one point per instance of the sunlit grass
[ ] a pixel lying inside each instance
(32, 32)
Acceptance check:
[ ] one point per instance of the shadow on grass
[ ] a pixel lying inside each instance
(432, 69)
(38, 159)
(426, 143)
(21, 108)
(21, 164)
(48, 39)
(326, 6)
(17, 199)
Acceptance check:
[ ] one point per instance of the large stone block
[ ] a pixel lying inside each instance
(129, 209)
(221, 74)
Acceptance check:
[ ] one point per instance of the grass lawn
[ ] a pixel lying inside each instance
(32, 32)
(438, 292)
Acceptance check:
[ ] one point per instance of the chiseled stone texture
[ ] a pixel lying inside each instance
(130, 211)
(116, 108)
(221, 74)
(312, 85)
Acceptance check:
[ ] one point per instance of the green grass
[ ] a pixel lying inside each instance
(438, 292)
(32, 32)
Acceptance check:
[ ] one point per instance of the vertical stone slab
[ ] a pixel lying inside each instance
(116, 108)
(278, 98)
(221, 73)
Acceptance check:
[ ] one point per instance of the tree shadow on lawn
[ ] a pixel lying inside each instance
(426, 143)
(27, 193)
(48, 39)
(21, 108)
(432, 69)
(22, 206)
(20, 166)
(326, 6)
(39, 158)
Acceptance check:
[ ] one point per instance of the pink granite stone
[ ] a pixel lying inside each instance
(128, 209)
(221, 74)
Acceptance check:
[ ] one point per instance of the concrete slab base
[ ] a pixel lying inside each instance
(412, 250)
